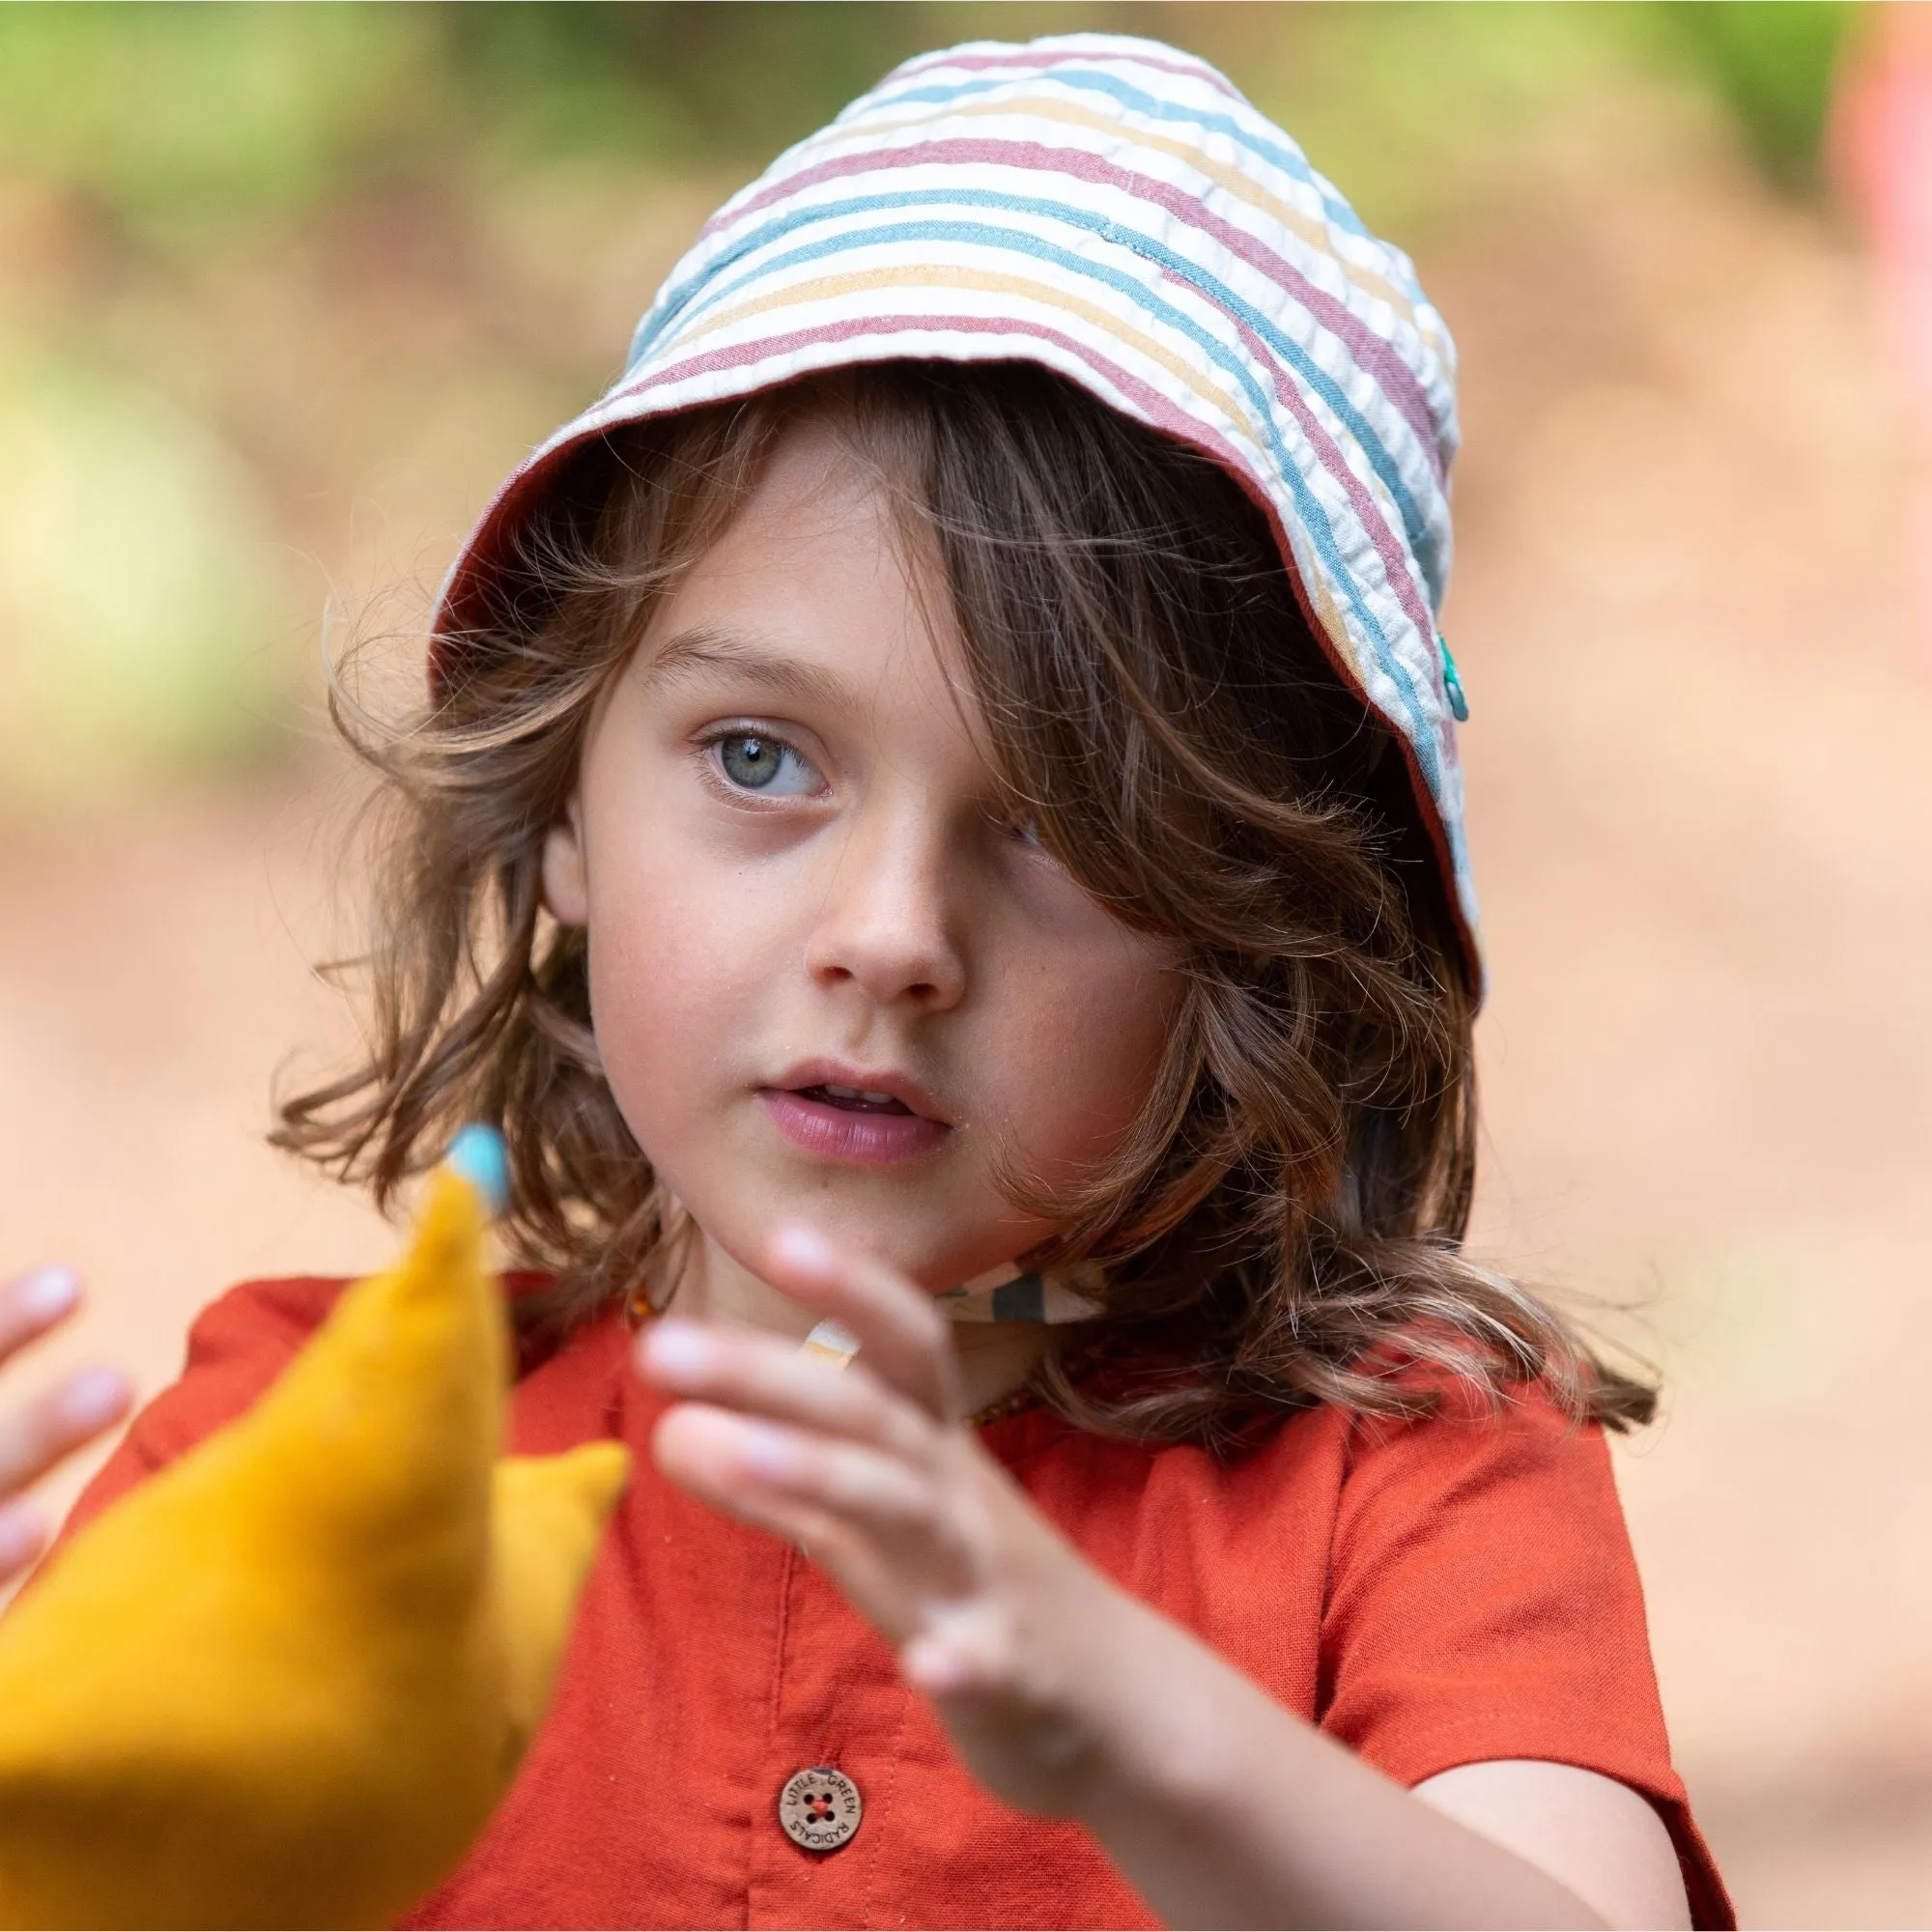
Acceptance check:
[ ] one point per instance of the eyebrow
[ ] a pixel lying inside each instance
(694, 652)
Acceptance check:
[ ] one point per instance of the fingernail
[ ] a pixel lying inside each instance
(46, 1293)
(676, 1347)
(94, 1397)
(767, 1452)
(936, 1667)
(802, 1247)
(23, 1528)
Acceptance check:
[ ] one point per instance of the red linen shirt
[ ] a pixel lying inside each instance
(1432, 1594)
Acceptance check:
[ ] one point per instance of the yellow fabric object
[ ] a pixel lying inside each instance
(286, 1681)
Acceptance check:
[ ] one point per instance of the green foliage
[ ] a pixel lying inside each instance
(1771, 62)
(168, 113)
(141, 596)
(155, 152)
(675, 81)
(1411, 106)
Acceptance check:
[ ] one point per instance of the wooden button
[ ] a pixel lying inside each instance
(820, 1808)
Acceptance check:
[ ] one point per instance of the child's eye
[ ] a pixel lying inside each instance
(756, 761)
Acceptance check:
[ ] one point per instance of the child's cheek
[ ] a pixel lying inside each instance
(1081, 1048)
(675, 970)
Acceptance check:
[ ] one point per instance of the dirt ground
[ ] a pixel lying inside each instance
(1699, 767)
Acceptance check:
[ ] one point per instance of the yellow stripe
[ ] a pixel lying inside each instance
(1238, 184)
(943, 276)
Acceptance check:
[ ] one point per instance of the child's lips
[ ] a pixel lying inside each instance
(862, 1127)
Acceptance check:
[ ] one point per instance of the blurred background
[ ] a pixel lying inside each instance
(284, 291)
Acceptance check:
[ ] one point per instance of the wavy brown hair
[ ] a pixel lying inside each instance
(1282, 1225)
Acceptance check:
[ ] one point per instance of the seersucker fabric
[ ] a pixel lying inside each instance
(1117, 211)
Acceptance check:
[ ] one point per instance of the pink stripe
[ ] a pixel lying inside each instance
(1389, 547)
(1371, 351)
(1025, 59)
(479, 555)
(1158, 410)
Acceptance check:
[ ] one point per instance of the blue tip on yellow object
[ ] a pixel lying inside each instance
(478, 1155)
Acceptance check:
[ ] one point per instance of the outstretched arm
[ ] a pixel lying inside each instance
(1068, 1696)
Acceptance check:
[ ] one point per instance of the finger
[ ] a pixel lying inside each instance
(34, 1439)
(758, 1376)
(878, 1495)
(836, 1545)
(956, 1657)
(903, 1338)
(35, 1303)
(24, 1531)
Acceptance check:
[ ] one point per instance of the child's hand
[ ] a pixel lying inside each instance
(1065, 1695)
(872, 1471)
(40, 1434)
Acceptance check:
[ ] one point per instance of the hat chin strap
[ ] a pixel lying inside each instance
(1006, 1294)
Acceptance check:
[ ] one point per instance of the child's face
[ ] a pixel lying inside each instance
(789, 850)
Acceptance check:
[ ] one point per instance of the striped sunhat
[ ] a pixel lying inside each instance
(1116, 210)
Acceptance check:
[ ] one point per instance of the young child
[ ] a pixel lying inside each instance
(937, 830)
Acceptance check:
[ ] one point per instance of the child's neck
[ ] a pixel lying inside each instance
(995, 1357)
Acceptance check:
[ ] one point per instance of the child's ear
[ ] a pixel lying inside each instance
(566, 891)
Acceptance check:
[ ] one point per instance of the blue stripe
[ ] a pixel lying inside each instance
(1314, 517)
(700, 297)
(1290, 160)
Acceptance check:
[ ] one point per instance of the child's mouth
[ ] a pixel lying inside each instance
(855, 1125)
(854, 1101)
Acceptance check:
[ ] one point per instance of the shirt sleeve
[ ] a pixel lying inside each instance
(235, 1349)
(1484, 1603)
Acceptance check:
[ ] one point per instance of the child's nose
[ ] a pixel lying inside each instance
(888, 924)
